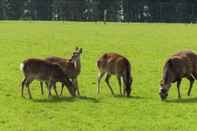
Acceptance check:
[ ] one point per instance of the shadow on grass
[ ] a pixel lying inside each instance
(91, 99)
(189, 100)
(130, 97)
(55, 99)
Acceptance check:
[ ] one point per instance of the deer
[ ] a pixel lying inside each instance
(71, 67)
(38, 69)
(180, 65)
(115, 64)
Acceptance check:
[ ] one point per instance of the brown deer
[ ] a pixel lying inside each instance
(71, 67)
(37, 69)
(115, 64)
(181, 65)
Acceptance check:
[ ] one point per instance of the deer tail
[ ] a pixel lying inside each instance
(128, 78)
(22, 66)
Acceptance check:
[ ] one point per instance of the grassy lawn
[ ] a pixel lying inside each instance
(147, 46)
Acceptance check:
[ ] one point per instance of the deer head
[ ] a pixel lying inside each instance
(76, 54)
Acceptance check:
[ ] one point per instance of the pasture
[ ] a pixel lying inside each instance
(147, 46)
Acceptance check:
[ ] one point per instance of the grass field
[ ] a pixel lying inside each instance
(147, 46)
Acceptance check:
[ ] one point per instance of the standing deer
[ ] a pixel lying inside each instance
(71, 67)
(37, 69)
(115, 64)
(181, 65)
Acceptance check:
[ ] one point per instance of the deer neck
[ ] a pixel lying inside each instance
(77, 65)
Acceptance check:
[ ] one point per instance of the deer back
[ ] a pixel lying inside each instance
(42, 70)
(176, 67)
(112, 63)
(67, 66)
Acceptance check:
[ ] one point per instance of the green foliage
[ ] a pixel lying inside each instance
(93, 10)
(147, 46)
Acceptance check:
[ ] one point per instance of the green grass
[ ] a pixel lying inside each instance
(147, 46)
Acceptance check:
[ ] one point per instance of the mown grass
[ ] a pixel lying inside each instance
(146, 46)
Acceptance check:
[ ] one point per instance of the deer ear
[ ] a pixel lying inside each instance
(76, 48)
(80, 50)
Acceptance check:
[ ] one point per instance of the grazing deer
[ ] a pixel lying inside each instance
(115, 64)
(181, 65)
(37, 69)
(71, 67)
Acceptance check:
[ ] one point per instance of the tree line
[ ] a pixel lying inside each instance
(97, 10)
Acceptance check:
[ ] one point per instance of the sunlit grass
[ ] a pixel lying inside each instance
(147, 46)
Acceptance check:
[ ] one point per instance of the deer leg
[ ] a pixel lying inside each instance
(41, 87)
(124, 88)
(194, 75)
(55, 89)
(191, 79)
(71, 90)
(76, 86)
(23, 85)
(61, 93)
(47, 83)
(49, 88)
(178, 88)
(108, 84)
(29, 91)
(100, 76)
(120, 85)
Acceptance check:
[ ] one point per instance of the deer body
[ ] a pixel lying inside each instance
(71, 67)
(181, 65)
(114, 64)
(37, 69)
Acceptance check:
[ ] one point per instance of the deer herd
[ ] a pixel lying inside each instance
(54, 69)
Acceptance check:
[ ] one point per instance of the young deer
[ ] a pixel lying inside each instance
(71, 67)
(37, 69)
(181, 65)
(112, 63)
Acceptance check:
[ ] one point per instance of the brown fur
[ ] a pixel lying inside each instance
(114, 64)
(37, 69)
(181, 65)
(71, 67)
